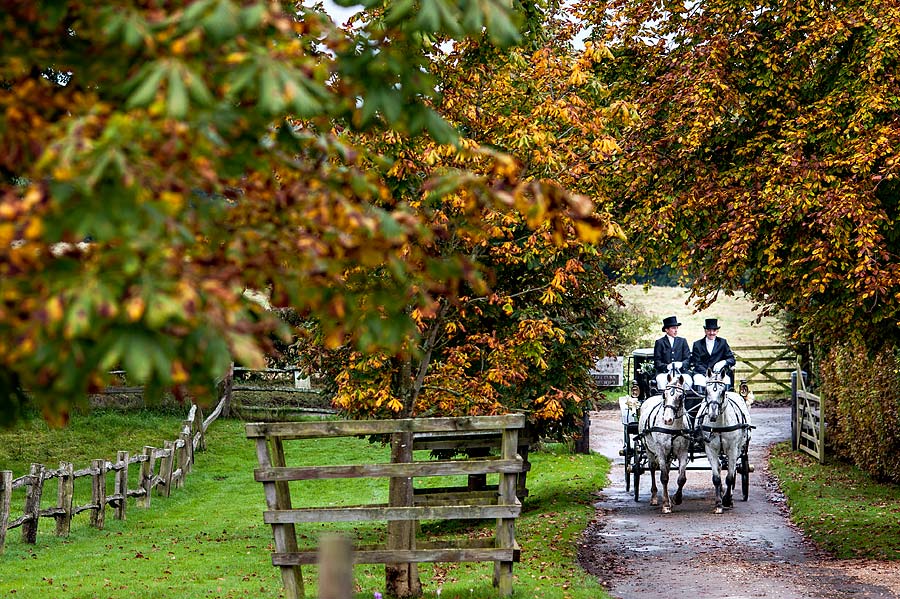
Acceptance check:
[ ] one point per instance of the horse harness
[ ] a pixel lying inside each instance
(706, 428)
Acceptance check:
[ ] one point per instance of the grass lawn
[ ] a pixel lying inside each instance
(838, 506)
(208, 539)
(735, 313)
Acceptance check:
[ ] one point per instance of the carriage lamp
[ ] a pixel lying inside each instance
(744, 389)
(635, 389)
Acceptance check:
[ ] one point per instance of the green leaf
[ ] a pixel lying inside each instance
(391, 104)
(252, 16)
(398, 11)
(193, 12)
(499, 24)
(271, 100)
(222, 24)
(429, 17)
(137, 360)
(302, 101)
(198, 90)
(146, 91)
(473, 20)
(177, 98)
(112, 356)
(439, 129)
(238, 80)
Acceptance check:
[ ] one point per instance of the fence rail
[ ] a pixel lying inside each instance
(766, 368)
(162, 469)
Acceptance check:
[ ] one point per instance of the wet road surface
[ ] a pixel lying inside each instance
(751, 550)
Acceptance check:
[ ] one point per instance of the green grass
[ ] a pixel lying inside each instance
(838, 506)
(735, 314)
(208, 539)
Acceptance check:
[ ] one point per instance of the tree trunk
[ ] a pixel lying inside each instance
(401, 580)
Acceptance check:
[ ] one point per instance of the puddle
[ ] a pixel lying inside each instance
(645, 548)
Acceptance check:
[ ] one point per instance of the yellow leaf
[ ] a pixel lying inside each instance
(135, 308)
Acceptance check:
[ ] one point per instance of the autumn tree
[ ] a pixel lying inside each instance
(766, 155)
(766, 152)
(160, 159)
(525, 340)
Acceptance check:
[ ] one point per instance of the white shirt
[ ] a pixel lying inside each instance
(710, 344)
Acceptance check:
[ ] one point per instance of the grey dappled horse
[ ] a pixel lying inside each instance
(724, 421)
(666, 435)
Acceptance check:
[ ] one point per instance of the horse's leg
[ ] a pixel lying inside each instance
(727, 500)
(664, 481)
(654, 498)
(712, 454)
(682, 476)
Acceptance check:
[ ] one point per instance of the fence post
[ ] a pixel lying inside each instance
(229, 384)
(794, 435)
(583, 444)
(98, 493)
(33, 492)
(146, 482)
(166, 468)
(198, 420)
(506, 527)
(187, 455)
(335, 567)
(64, 496)
(278, 497)
(121, 486)
(5, 496)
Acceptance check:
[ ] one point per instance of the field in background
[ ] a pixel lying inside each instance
(736, 316)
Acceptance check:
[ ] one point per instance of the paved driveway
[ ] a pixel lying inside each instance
(751, 550)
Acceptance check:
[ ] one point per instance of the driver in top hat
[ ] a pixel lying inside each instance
(711, 353)
(671, 352)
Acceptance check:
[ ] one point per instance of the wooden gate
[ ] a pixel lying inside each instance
(808, 425)
(505, 507)
(766, 368)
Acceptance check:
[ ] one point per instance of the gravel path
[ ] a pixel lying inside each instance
(751, 550)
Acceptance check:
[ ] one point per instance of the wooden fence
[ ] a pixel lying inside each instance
(162, 469)
(276, 394)
(766, 368)
(808, 419)
(505, 507)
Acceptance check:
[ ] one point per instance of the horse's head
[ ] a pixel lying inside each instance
(715, 391)
(673, 399)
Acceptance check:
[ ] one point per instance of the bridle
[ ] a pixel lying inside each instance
(676, 391)
(715, 391)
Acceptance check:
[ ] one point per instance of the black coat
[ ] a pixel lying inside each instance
(664, 353)
(701, 359)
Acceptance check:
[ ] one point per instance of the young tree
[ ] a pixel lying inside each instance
(158, 160)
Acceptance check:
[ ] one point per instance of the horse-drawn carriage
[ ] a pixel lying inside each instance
(678, 424)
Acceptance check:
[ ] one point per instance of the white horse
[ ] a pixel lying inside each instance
(724, 421)
(665, 433)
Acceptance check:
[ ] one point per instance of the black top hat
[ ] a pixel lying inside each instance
(711, 323)
(670, 321)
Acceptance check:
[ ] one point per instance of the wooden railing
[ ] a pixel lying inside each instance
(248, 384)
(162, 469)
(275, 474)
(808, 425)
(766, 368)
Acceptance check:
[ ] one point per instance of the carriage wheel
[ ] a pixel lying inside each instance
(636, 472)
(745, 475)
(628, 452)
